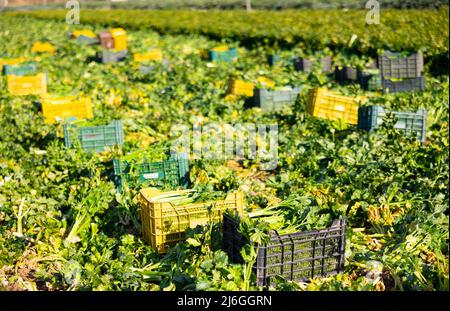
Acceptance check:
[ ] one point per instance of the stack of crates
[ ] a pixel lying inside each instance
(27, 85)
(273, 100)
(223, 54)
(401, 73)
(164, 223)
(43, 47)
(298, 257)
(66, 108)
(114, 44)
(94, 138)
(412, 123)
(325, 104)
(240, 88)
(173, 172)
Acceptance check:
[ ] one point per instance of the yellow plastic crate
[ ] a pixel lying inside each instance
(85, 32)
(240, 88)
(11, 61)
(62, 108)
(43, 47)
(220, 48)
(164, 224)
(119, 36)
(152, 55)
(333, 106)
(27, 85)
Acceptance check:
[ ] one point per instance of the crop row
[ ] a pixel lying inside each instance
(315, 29)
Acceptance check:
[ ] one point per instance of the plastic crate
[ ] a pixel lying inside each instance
(119, 36)
(223, 54)
(144, 69)
(403, 85)
(152, 55)
(395, 65)
(69, 107)
(84, 32)
(94, 138)
(174, 172)
(106, 40)
(82, 39)
(27, 85)
(332, 106)
(369, 79)
(43, 47)
(297, 257)
(20, 70)
(164, 224)
(345, 74)
(240, 88)
(275, 100)
(111, 56)
(412, 123)
(307, 65)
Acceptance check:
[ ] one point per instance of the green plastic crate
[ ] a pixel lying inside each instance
(173, 172)
(371, 117)
(225, 56)
(94, 138)
(275, 100)
(20, 70)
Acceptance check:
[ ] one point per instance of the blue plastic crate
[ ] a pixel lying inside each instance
(223, 56)
(20, 70)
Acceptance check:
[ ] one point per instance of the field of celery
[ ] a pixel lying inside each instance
(65, 226)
